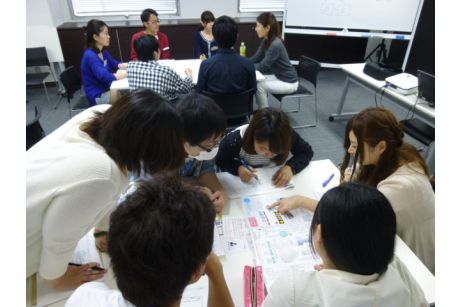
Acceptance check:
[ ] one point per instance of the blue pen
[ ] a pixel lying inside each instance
(248, 168)
(326, 182)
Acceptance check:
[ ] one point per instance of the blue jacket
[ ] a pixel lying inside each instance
(97, 75)
(226, 73)
(203, 46)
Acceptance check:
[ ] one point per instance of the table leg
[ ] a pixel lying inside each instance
(340, 115)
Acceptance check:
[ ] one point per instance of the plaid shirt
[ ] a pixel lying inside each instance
(162, 79)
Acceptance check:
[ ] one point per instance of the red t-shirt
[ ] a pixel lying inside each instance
(162, 40)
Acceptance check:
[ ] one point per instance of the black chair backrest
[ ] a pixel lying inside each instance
(308, 69)
(34, 131)
(71, 80)
(234, 105)
(36, 57)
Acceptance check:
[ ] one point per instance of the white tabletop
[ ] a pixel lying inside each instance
(408, 101)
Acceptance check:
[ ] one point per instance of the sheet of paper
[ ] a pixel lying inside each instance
(237, 189)
(217, 246)
(280, 248)
(196, 295)
(237, 236)
(255, 208)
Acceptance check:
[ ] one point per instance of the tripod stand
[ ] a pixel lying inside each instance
(381, 52)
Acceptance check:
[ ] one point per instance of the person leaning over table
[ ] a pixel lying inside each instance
(98, 68)
(374, 142)
(268, 139)
(353, 231)
(161, 241)
(151, 24)
(272, 60)
(148, 73)
(204, 44)
(76, 174)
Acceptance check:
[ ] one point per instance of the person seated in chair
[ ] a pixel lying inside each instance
(226, 72)
(148, 73)
(160, 241)
(151, 24)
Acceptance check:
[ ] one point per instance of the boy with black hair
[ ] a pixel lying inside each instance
(161, 239)
(226, 72)
(204, 126)
(148, 73)
(151, 22)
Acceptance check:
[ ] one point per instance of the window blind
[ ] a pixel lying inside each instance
(121, 7)
(261, 5)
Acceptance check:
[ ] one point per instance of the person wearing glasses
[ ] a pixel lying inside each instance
(151, 22)
(204, 126)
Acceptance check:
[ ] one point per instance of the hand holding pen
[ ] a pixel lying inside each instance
(246, 172)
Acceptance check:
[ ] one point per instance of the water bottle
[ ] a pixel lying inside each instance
(242, 49)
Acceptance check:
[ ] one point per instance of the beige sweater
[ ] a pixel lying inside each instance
(409, 192)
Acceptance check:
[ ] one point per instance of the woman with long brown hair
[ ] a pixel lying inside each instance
(380, 158)
(272, 59)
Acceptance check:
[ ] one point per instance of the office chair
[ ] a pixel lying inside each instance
(37, 57)
(308, 69)
(425, 134)
(71, 80)
(34, 131)
(237, 107)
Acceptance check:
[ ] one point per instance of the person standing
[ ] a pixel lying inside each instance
(151, 22)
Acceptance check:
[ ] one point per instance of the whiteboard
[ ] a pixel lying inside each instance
(373, 15)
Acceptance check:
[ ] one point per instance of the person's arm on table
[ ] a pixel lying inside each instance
(219, 196)
(219, 294)
(290, 203)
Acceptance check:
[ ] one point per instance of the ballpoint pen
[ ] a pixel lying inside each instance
(245, 165)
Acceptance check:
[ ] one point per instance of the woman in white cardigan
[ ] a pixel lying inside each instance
(374, 142)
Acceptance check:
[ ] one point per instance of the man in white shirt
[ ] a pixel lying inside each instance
(160, 240)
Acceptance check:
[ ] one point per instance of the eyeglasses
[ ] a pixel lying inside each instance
(154, 21)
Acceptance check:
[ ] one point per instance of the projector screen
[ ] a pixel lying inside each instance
(369, 15)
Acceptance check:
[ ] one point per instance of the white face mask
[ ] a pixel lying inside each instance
(205, 155)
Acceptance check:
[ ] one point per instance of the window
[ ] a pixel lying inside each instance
(121, 7)
(262, 5)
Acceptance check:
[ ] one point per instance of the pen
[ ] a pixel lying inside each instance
(326, 182)
(248, 168)
(94, 268)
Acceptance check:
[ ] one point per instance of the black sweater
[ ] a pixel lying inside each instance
(230, 147)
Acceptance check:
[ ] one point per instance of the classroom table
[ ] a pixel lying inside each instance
(355, 74)
(307, 183)
(179, 67)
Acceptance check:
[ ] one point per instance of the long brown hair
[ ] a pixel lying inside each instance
(272, 125)
(268, 19)
(141, 130)
(371, 126)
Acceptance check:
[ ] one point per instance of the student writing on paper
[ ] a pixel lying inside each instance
(353, 231)
(204, 125)
(272, 59)
(76, 174)
(98, 68)
(151, 24)
(204, 45)
(160, 241)
(268, 139)
(146, 72)
(374, 137)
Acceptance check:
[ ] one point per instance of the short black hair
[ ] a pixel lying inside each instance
(145, 46)
(145, 15)
(202, 117)
(158, 237)
(207, 17)
(141, 130)
(225, 31)
(358, 227)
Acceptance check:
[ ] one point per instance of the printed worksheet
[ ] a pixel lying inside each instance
(237, 189)
(217, 246)
(237, 236)
(255, 208)
(196, 295)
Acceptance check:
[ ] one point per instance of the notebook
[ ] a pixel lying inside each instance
(426, 87)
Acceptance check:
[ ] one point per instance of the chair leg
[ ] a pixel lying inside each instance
(289, 111)
(316, 116)
(46, 93)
